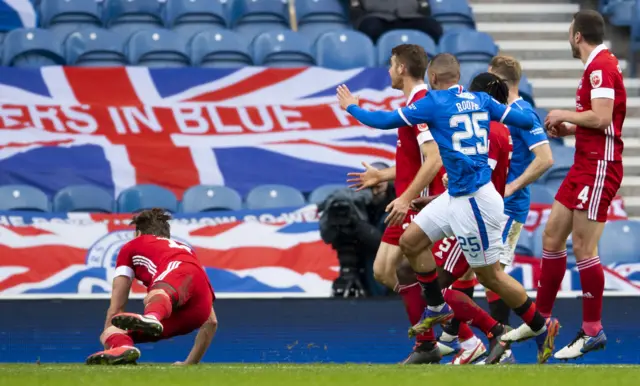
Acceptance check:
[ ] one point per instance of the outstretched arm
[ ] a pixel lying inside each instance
(203, 340)
(119, 297)
(384, 120)
(505, 114)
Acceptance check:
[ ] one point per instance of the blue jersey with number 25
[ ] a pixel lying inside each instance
(459, 122)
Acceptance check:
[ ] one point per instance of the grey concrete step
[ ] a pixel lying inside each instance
(631, 165)
(525, 31)
(559, 87)
(522, 17)
(632, 206)
(524, 12)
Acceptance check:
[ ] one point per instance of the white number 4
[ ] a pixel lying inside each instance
(471, 127)
(174, 244)
(584, 195)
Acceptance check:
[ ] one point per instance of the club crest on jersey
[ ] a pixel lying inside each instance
(423, 127)
(596, 78)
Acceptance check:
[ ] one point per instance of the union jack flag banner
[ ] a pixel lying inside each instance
(118, 127)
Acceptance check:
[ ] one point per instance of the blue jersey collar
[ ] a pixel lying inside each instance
(457, 88)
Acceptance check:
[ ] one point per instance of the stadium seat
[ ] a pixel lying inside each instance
(141, 197)
(321, 193)
(32, 47)
(342, 50)
(157, 48)
(621, 12)
(542, 113)
(525, 244)
(469, 70)
(634, 42)
(253, 17)
(469, 46)
(127, 17)
(66, 16)
(207, 198)
(282, 49)
(320, 16)
(453, 14)
(563, 156)
(83, 198)
(188, 18)
(219, 49)
(387, 41)
(526, 90)
(540, 194)
(95, 47)
(23, 197)
(620, 243)
(274, 196)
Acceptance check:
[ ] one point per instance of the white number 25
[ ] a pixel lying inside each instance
(471, 127)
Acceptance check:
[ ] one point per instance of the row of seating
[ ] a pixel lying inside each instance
(313, 17)
(625, 13)
(157, 47)
(200, 198)
(619, 243)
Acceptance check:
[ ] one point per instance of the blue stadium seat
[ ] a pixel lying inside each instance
(562, 161)
(540, 194)
(526, 90)
(66, 16)
(23, 197)
(274, 196)
(141, 197)
(469, 46)
(453, 14)
(525, 244)
(253, 17)
(32, 47)
(621, 12)
(342, 50)
(542, 113)
(387, 41)
(219, 49)
(321, 193)
(83, 198)
(127, 17)
(157, 48)
(207, 198)
(634, 41)
(282, 49)
(469, 70)
(620, 243)
(95, 47)
(188, 18)
(563, 156)
(320, 16)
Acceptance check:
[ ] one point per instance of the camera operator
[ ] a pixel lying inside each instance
(352, 223)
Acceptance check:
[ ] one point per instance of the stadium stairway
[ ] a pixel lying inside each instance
(537, 34)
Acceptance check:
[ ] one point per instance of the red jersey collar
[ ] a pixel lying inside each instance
(593, 54)
(416, 90)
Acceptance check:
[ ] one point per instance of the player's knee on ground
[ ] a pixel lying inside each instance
(108, 332)
(406, 275)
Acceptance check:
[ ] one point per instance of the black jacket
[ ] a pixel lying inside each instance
(389, 10)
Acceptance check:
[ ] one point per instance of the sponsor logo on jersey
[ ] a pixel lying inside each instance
(596, 78)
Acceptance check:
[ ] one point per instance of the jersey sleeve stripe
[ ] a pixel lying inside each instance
(607, 93)
(123, 270)
(424, 137)
(538, 144)
(506, 112)
(492, 163)
(404, 118)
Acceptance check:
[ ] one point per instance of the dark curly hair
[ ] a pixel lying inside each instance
(492, 85)
(152, 222)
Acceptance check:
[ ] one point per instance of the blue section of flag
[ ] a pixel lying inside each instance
(225, 281)
(169, 82)
(370, 78)
(28, 79)
(53, 168)
(17, 14)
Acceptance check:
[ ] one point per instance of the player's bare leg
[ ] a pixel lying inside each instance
(157, 307)
(387, 260)
(416, 246)
(119, 349)
(591, 337)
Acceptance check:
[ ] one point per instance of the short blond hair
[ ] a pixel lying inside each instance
(508, 68)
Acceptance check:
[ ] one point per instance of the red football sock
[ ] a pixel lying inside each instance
(552, 269)
(159, 306)
(415, 304)
(465, 333)
(466, 311)
(592, 282)
(118, 340)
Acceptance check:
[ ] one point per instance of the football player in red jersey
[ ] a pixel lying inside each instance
(418, 171)
(179, 299)
(584, 197)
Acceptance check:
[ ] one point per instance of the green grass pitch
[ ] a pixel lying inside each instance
(320, 375)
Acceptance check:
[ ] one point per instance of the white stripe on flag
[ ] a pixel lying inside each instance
(25, 10)
(58, 85)
(142, 83)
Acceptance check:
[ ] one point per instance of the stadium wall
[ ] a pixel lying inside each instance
(279, 330)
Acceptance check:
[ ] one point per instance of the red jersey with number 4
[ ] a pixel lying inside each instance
(409, 156)
(147, 256)
(602, 78)
(500, 150)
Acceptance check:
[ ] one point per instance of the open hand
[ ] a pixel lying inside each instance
(363, 180)
(345, 98)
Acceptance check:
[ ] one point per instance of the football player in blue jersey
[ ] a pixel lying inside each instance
(472, 209)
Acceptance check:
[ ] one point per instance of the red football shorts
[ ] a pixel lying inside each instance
(192, 298)
(449, 257)
(591, 185)
(393, 233)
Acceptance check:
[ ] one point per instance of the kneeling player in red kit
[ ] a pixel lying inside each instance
(179, 299)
